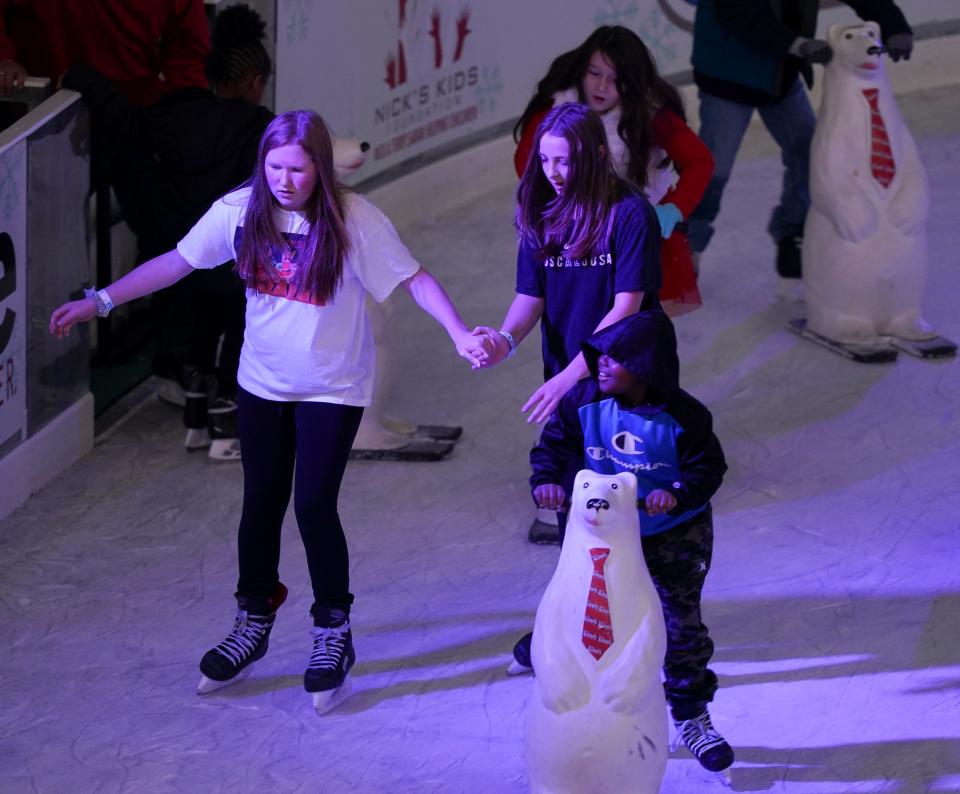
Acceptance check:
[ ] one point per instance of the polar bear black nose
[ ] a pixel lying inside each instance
(876, 49)
(598, 504)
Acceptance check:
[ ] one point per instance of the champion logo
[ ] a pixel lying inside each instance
(602, 453)
(627, 443)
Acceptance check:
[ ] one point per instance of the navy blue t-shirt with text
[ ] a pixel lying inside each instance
(579, 292)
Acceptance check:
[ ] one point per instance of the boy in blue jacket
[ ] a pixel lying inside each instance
(632, 415)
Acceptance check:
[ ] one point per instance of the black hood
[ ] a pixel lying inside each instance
(646, 344)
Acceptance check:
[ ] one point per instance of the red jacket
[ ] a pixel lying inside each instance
(131, 42)
(689, 154)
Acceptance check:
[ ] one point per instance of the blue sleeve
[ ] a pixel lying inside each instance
(636, 247)
(529, 272)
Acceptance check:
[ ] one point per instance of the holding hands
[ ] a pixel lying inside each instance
(478, 349)
(490, 342)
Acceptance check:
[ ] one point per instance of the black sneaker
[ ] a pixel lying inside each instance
(788, 257)
(702, 739)
(232, 660)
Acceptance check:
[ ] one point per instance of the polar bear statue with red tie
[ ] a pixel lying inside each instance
(597, 720)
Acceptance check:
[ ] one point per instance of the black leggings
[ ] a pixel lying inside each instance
(317, 437)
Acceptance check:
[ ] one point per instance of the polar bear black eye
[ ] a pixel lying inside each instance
(614, 486)
(586, 485)
(849, 36)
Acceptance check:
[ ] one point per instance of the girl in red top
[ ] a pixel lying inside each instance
(614, 73)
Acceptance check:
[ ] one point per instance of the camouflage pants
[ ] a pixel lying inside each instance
(679, 560)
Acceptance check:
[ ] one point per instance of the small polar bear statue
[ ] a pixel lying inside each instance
(349, 154)
(597, 720)
(864, 243)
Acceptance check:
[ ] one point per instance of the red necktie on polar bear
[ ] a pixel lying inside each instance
(597, 631)
(881, 155)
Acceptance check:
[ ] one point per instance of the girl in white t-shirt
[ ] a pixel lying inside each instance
(309, 251)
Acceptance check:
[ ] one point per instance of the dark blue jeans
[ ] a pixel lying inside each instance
(722, 126)
(317, 438)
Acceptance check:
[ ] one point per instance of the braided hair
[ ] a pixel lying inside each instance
(236, 46)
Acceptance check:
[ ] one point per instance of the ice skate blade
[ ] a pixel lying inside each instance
(208, 685)
(417, 451)
(170, 392)
(863, 353)
(723, 777)
(516, 668)
(439, 432)
(225, 449)
(935, 347)
(329, 700)
(196, 439)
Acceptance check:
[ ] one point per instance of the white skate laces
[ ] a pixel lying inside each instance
(329, 648)
(703, 740)
(245, 638)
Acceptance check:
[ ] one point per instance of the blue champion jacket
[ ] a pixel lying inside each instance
(667, 441)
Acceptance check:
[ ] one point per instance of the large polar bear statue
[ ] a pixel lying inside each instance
(597, 719)
(864, 243)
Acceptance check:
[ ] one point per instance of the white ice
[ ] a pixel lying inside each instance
(834, 598)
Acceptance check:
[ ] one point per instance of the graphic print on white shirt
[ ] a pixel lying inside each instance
(294, 349)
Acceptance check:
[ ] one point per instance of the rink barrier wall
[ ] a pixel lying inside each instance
(46, 409)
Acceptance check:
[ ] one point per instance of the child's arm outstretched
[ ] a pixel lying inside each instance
(430, 296)
(544, 400)
(152, 275)
(560, 444)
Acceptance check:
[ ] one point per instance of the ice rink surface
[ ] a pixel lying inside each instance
(834, 598)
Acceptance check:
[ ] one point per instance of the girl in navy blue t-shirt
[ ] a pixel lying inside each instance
(588, 253)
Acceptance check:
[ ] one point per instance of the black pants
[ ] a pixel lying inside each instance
(679, 560)
(274, 436)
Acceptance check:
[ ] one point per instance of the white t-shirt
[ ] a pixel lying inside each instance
(295, 350)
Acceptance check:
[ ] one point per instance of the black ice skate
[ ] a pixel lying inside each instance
(521, 662)
(232, 660)
(332, 657)
(199, 389)
(705, 742)
(222, 427)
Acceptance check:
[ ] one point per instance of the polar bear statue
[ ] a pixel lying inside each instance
(597, 719)
(864, 243)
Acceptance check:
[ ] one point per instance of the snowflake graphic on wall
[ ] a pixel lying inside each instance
(659, 34)
(297, 13)
(488, 88)
(616, 12)
(10, 188)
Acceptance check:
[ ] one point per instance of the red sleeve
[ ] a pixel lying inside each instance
(690, 156)
(525, 147)
(186, 44)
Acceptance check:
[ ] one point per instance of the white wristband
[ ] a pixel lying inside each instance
(510, 341)
(101, 299)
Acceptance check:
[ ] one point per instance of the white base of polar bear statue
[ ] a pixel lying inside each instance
(598, 725)
(864, 244)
